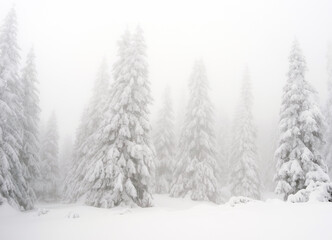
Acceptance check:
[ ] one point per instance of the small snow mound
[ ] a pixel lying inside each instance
(73, 215)
(239, 200)
(42, 211)
(315, 192)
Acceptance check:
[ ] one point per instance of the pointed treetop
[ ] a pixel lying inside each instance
(297, 61)
(246, 85)
(31, 56)
(9, 24)
(199, 75)
(8, 35)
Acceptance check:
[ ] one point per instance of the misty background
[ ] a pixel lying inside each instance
(70, 39)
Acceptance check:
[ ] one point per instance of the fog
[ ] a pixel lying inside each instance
(70, 39)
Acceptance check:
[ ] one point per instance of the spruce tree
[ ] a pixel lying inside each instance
(49, 162)
(328, 112)
(65, 159)
(164, 139)
(196, 169)
(84, 150)
(13, 172)
(222, 145)
(299, 160)
(244, 159)
(122, 170)
(31, 110)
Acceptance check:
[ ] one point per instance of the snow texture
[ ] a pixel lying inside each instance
(172, 218)
(314, 192)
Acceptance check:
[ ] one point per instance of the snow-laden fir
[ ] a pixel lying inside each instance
(65, 160)
(196, 168)
(165, 144)
(328, 112)
(31, 110)
(122, 169)
(244, 177)
(13, 171)
(223, 136)
(77, 183)
(299, 158)
(48, 187)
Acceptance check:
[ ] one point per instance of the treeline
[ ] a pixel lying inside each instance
(27, 166)
(118, 159)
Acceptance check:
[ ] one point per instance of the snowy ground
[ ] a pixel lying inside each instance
(171, 219)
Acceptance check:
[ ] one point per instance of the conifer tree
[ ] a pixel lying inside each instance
(13, 185)
(49, 162)
(122, 170)
(164, 139)
(299, 160)
(196, 169)
(222, 145)
(244, 159)
(65, 158)
(328, 112)
(180, 114)
(31, 110)
(76, 184)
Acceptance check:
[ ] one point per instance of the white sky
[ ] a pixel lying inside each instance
(70, 38)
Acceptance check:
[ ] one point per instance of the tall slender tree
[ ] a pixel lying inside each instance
(13, 172)
(197, 168)
(31, 110)
(222, 144)
(244, 177)
(328, 112)
(299, 160)
(123, 168)
(164, 139)
(76, 182)
(49, 162)
(65, 158)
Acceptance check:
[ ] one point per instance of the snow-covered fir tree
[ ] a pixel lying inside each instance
(299, 160)
(31, 111)
(13, 172)
(196, 168)
(181, 105)
(65, 158)
(267, 168)
(47, 189)
(244, 159)
(164, 142)
(328, 112)
(222, 146)
(123, 168)
(84, 149)
(73, 186)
